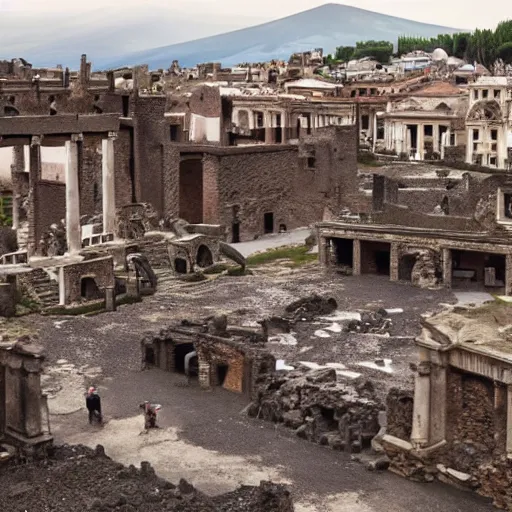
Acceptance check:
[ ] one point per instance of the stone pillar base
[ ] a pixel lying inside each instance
(110, 298)
(132, 288)
(29, 447)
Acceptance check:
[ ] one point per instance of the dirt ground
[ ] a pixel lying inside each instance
(204, 437)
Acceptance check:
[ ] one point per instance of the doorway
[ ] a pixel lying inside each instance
(235, 232)
(222, 372)
(191, 190)
(268, 223)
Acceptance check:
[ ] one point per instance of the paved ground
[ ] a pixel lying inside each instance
(204, 437)
(272, 241)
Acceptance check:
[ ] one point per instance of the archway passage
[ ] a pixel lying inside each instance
(180, 351)
(191, 190)
(375, 258)
(344, 251)
(180, 266)
(268, 223)
(89, 289)
(235, 228)
(204, 257)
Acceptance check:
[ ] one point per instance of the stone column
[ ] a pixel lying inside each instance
(420, 141)
(73, 229)
(34, 178)
(324, 251)
(110, 298)
(394, 261)
(356, 258)
(108, 183)
(32, 402)
(2, 396)
(269, 136)
(18, 166)
(438, 383)
(508, 274)
(435, 135)
(447, 268)
(421, 411)
(204, 373)
(509, 421)
(469, 146)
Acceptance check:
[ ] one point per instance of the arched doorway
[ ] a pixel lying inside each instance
(204, 257)
(89, 289)
(180, 266)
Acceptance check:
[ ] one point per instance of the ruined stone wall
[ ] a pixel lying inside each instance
(265, 182)
(7, 240)
(399, 408)
(470, 420)
(90, 176)
(101, 270)
(151, 136)
(171, 180)
(423, 201)
(122, 158)
(49, 204)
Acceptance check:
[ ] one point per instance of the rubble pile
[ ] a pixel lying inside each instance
(307, 308)
(319, 408)
(371, 323)
(78, 478)
(494, 479)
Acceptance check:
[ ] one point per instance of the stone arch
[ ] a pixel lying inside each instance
(204, 257)
(89, 289)
(485, 111)
(10, 111)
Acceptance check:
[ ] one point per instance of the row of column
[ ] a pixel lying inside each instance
(73, 228)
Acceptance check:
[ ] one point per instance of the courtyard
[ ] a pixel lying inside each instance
(205, 437)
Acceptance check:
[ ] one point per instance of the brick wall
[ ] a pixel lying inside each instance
(90, 176)
(122, 157)
(101, 269)
(151, 136)
(191, 190)
(49, 204)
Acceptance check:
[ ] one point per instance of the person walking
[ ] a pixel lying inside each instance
(93, 403)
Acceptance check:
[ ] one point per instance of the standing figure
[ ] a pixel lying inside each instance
(93, 403)
(149, 411)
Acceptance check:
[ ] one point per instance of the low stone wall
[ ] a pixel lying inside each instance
(71, 276)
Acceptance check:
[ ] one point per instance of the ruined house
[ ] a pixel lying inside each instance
(450, 230)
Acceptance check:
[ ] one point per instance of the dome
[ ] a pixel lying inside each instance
(439, 55)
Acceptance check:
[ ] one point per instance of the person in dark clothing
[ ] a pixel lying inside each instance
(93, 402)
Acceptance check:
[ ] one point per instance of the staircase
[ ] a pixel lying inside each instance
(44, 289)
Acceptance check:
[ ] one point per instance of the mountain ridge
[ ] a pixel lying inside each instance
(256, 43)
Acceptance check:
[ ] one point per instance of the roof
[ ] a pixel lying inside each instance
(501, 81)
(310, 83)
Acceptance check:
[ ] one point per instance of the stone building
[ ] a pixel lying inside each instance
(218, 355)
(432, 231)
(24, 419)
(461, 415)
(489, 122)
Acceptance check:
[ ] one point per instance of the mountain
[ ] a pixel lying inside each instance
(50, 38)
(326, 27)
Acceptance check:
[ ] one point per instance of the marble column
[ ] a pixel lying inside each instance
(73, 229)
(356, 258)
(447, 268)
(421, 411)
(108, 183)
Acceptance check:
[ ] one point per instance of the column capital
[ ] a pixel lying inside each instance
(112, 135)
(36, 140)
(423, 369)
(77, 137)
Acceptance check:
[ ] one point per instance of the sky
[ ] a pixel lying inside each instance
(453, 13)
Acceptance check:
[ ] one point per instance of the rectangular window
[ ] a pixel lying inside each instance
(452, 139)
(497, 94)
(475, 94)
(365, 122)
(476, 134)
(475, 146)
(494, 147)
(311, 162)
(492, 161)
(174, 132)
(494, 134)
(259, 120)
(428, 130)
(485, 93)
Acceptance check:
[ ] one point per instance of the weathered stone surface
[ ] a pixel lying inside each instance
(311, 307)
(320, 409)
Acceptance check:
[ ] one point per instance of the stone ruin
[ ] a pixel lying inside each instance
(376, 322)
(24, 418)
(320, 408)
(89, 480)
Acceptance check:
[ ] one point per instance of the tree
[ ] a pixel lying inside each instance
(344, 53)
(505, 53)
